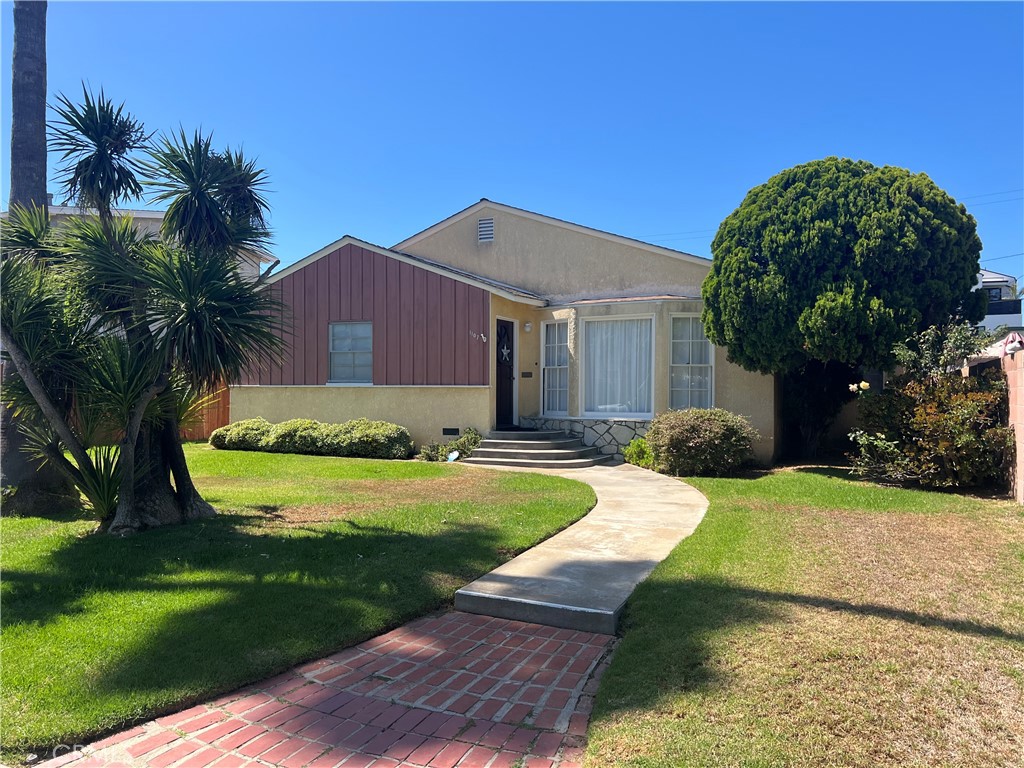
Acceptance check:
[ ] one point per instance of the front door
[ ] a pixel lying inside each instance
(504, 386)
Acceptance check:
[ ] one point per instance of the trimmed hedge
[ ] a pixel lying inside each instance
(706, 442)
(357, 439)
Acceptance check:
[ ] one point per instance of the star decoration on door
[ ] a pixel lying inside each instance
(505, 352)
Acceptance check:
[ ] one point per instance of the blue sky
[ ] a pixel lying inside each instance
(648, 120)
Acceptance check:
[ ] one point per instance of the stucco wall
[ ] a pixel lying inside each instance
(558, 262)
(1013, 367)
(749, 394)
(424, 411)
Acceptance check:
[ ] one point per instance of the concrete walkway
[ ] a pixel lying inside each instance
(458, 690)
(581, 578)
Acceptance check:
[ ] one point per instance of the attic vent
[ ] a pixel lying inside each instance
(485, 230)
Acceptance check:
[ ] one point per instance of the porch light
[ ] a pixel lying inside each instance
(527, 327)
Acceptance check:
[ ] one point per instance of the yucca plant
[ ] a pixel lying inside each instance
(116, 334)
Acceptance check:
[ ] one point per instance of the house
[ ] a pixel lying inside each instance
(498, 317)
(1003, 302)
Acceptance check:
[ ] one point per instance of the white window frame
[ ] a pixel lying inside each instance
(543, 368)
(331, 351)
(582, 368)
(711, 357)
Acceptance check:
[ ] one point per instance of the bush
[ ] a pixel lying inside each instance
(365, 439)
(293, 436)
(709, 442)
(360, 438)
(941, 432)
(465, 445)
(245, 435)
(639, 452)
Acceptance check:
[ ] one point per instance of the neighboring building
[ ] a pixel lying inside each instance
(1003, 302)
(494, 317)
(148, 222)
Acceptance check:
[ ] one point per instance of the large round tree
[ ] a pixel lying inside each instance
(826, 266)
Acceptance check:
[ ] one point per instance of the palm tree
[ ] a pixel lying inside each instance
(36, 485)
(155, 321)
(28, 105)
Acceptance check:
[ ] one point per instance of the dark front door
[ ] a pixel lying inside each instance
(503, 387)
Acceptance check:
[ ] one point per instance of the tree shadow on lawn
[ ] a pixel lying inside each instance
(232, 605)
(674, 632)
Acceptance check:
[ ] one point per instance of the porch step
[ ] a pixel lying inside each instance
(525, 450)
(538, 463)
(541, 449)
(527, 434)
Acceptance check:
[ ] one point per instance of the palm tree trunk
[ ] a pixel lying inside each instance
(37, 486)
(28, 105)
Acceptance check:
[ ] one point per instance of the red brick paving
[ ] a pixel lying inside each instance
(449, 691)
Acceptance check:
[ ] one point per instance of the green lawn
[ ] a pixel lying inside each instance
(814, 621)
(309, 555)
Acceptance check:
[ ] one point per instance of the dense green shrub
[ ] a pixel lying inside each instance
(465, 445)
(293, 436)
(639, 452)
(941, 432)
(245, 435)
(709, 442)
(360, 438)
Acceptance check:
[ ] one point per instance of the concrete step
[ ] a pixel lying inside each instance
(522, 451)
(581, 578)
(533, 444)
(537, 463)
(527, 434)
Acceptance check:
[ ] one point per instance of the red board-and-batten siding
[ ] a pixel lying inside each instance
(428, 329)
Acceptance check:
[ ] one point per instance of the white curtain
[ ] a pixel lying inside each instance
(617, 366)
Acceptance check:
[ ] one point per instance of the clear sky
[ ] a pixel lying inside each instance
(648, 120)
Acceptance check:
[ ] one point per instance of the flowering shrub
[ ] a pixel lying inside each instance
(709, 442)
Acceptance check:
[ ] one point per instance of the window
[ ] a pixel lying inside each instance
(556, 369)
(617, 367)
(692, 365)
(995, 294)
(351, 352)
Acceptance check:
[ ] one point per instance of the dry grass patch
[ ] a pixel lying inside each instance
(814, 621)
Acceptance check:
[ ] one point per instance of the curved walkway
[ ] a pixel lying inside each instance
(456, 690)
(582, 577)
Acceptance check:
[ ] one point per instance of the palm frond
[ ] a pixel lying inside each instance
(214, 199)
(27, 231)
(96, 142)
(213, 322)
(95, 258)
(118, 374)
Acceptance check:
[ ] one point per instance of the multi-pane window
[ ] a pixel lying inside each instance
(617, 367)
(351, 352)
(692, 365)
(556, 368)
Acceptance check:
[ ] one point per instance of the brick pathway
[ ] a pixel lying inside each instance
(451, 691)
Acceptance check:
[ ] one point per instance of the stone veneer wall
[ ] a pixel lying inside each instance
(609, 435)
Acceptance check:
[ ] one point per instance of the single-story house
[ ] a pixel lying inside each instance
(499, 317)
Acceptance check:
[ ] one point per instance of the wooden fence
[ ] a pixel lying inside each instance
(213, 415)
(1013, 367)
